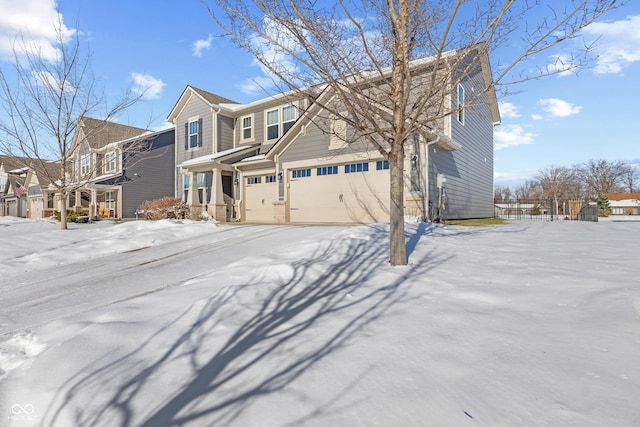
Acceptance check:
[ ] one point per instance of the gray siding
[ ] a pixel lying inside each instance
(469, 171)
(155, 176)
(315, 145)
(194, 108)
(225, 132)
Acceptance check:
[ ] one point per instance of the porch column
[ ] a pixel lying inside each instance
(217, 197)
(192, 197)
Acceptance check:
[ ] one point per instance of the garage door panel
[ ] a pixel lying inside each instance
(360, 197)
(259, 200)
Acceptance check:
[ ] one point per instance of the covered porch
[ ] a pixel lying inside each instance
(210, 183)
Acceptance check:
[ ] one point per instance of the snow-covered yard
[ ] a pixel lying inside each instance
(521, 324)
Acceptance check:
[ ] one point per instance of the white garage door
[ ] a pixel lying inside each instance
(259, 194)
(360, 195)
(36, 207)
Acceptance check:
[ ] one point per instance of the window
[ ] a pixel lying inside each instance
(617, 211)
(110, 162)
(270, 178)
(200, 181)
(110, 199)
(186, 183)
(85, 165)
(300, 173)
(327, 170)
(274, 124)
(254, 180)
(247, 128)
(193, 134)
(460, 106)
(49, 200)
(288, 117)
(382, 165)
(356, 167)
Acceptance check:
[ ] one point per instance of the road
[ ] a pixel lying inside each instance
(37, 297)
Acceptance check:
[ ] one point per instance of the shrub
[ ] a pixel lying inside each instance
(164, 208)
(72, 216)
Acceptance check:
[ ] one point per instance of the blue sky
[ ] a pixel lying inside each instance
(167, 44)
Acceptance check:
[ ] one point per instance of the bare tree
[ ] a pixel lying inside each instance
(529, 190)
(44, 99)
(361, 53)
(501, 194)
(558, 182)
(602, 177)
(630, 178)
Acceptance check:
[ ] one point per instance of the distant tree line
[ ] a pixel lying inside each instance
(589, 180)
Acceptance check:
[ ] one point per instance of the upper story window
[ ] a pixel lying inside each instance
(193, 134)
(110, 162)
(85, 165)
(279, 120)
(288, 117)
(247, 128)
(460, 105)
(273, 124)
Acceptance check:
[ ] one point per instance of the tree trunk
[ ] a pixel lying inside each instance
(398, 249)
(63, 212)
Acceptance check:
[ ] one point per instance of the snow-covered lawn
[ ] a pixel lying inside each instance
(521, 324)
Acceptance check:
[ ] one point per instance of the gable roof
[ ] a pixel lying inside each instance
(99, 133)
(208, 97)
(13, 162)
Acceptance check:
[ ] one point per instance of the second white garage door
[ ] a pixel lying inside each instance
(360, 195)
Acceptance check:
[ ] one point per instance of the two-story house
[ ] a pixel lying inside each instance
(271, 161)
(117, 167)
(13, 195)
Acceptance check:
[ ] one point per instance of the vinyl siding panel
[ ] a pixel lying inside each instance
(155, 176)
(469, 170)
(194, 108)
(225, 132)
(314, 144)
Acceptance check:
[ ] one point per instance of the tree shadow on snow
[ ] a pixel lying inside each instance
(239, 348)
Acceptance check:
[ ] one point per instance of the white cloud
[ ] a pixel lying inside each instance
(536, 117)
(147, 86)
(559, 108)
(31, 25)
(618, 43)
(201, 45)
(511, 136)
(508, 110)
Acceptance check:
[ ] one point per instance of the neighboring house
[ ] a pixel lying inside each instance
(117, 167)
(42, 199)
(624, 204)
(13, 194)
(267, 161)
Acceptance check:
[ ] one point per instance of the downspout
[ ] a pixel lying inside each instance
(238, 217)
(425, 192)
